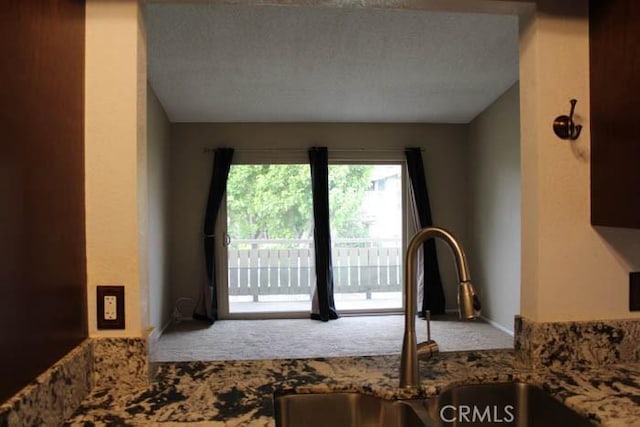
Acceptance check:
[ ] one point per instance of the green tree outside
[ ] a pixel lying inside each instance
(274, 201)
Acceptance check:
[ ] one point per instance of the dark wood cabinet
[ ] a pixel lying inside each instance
(43, 312)
(614, 39)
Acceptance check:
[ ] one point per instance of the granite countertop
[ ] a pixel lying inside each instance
(240, 393)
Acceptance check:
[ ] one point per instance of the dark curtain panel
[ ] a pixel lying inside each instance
(207, 307)
(433, 295)
(323, 306)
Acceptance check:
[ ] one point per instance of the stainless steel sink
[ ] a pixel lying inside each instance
(347, 410)
(504, 404)
(472, 405)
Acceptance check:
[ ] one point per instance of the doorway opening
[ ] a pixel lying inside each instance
(356, 81)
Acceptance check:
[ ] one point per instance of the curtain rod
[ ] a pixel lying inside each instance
(301, 150)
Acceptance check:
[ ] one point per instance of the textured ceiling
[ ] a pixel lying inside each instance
(211, 63)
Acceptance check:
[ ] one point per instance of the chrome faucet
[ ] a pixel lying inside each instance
(468, 303)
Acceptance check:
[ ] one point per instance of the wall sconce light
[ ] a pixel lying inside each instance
(564, 127)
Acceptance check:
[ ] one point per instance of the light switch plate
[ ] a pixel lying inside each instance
(110, 307)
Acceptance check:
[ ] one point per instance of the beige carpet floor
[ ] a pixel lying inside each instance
(302, 338)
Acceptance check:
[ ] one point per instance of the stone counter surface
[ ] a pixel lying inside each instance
(240, 393)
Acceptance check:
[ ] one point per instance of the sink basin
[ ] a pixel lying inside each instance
(346, 410)
(472, 405)
(504, 404)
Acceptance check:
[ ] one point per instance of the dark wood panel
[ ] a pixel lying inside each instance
(42, 243)
(615, 112)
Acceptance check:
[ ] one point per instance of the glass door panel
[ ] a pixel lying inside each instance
(270, 257)
(366, 227)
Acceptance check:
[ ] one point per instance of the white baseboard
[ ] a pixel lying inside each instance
(156, 333)
(489, 321)
(497, 325)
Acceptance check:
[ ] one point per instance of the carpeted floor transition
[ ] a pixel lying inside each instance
(303, 338)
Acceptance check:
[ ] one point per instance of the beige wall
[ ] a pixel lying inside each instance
(158, 167)
(494, 207)
(444, 157)
(569, 270)
(115, 159)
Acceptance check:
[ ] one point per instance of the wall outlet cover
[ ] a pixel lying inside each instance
(110, 307)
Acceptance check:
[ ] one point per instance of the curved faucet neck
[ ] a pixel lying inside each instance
(409, 374)
(429, 232)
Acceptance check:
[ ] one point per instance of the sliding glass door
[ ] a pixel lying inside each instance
(366, 227)
(269, 239)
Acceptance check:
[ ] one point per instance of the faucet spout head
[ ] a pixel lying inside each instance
(468, 302)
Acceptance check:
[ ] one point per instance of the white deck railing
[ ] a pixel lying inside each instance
(285, 267)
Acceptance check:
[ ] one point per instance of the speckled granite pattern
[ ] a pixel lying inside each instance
(241, 393)
(609, 396)
(53, 396)
(597, 343)
(123, 361)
